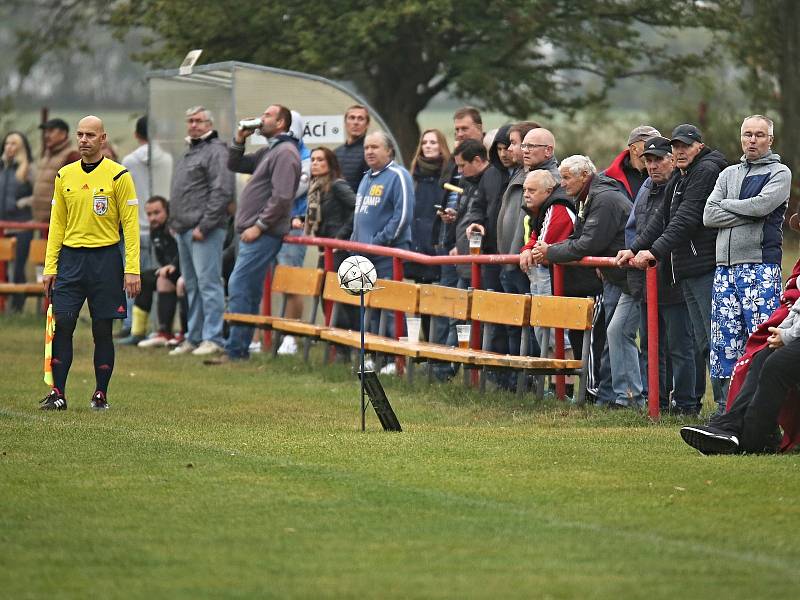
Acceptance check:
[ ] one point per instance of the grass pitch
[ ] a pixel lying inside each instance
(253, 481)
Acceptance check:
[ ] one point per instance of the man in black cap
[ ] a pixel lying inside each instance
(683, 239)
(674, 324)
(58, 151)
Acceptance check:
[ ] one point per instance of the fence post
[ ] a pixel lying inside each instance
(399, 323)
(651, 276)
(3, 274)
(558, 290)
(327, 307)
(266, 308)
(475, 331)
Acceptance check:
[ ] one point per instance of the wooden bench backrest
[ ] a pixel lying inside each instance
(561, 312)
(496, 307)
(334, 293)
(297, 280)
(443, 301)
(394, 295)
(38, 252)
(7, 248)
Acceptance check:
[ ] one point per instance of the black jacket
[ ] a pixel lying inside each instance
(351, 162)
(336, 211)
(599, 231)
(471, 186)
(648, 207)
(486, 205)
(165, 247)
(444, 235)
(682, 236)
(427, 194)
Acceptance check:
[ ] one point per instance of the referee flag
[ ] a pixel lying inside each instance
(49, 330)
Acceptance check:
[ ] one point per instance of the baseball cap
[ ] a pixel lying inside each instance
(55, 124)
(642, 132)
(657, 146)
(686, 133)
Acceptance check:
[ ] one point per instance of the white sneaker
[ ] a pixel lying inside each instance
(254, 348)
(207, 347)
(185, 347)
(288, 345)
(389, 369)
(157, 340)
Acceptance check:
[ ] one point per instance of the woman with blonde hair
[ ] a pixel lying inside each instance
(16, 176)
(430, 158)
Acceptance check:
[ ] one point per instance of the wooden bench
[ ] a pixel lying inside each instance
(36, 256)
(298, 281)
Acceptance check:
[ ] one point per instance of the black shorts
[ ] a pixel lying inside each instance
(93, 274)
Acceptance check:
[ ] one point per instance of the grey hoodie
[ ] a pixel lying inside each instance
(747, 208)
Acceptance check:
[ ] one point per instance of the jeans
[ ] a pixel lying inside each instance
(753, 416)
(20, 258)
(609, 299)
(201, 267)
(626, 378)
(697, 292)
(676, 349)
(514, 281)
(246, 288)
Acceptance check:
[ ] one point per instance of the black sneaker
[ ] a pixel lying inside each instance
(99, 401)
(53, 401)
(710, 440)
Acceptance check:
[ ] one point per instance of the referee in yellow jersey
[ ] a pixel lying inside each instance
(93, 199)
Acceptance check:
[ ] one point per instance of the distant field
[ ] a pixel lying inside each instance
(253, 481)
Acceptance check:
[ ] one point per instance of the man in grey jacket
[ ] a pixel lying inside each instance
(202, 189)
(262, 217)
(747, 208)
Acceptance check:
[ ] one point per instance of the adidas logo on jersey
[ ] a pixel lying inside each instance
(85, 186)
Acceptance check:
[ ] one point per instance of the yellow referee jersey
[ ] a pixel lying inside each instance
(88, 209)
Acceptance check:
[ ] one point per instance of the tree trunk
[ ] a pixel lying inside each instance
(787, 36)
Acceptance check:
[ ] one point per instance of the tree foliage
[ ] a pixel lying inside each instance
(521, 57)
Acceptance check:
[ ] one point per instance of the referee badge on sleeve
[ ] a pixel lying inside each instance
(100, 205)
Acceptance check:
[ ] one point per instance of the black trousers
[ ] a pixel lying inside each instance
(753, 416)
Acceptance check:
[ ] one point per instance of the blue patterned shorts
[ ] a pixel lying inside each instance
(744, 296)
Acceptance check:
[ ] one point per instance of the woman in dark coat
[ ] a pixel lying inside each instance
(426, 168)
(16, 176)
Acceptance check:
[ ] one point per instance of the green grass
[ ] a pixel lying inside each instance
(252, 480)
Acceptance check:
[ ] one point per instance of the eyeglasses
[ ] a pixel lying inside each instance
(759, 135)
(532, 146)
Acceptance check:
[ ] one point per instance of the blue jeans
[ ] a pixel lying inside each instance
(605, 390)
(246, 288)
(698, 291)
(626, 378)
(675, 347)
(514, 281)
(201, 268)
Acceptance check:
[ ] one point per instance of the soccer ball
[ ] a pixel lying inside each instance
(357, 275)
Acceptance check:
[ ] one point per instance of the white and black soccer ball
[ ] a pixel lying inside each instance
(357, 275)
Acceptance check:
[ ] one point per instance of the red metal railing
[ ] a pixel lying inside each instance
(476, 260)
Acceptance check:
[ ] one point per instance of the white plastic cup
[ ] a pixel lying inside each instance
(413, 325)
(463, 333)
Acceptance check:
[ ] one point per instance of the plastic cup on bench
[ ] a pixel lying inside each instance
(413, 325)
(463, 333)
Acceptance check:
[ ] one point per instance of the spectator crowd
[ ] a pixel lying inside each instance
(714, 230)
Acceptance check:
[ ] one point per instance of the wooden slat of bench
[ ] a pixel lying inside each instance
(254, 320)
(562, 312)
(334, 293)
(443, 301)
(297, 280)
(30, 289)
(38, 252)
(533, 363)
(394, 295)
(446, 353)
(496, 307)
(392, 346)
(297, 327)
(345, 337)
(7, 248)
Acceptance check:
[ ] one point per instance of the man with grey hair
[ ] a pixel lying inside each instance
(746, 208)
(602, 211)
(202, 188)
(628, 168)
